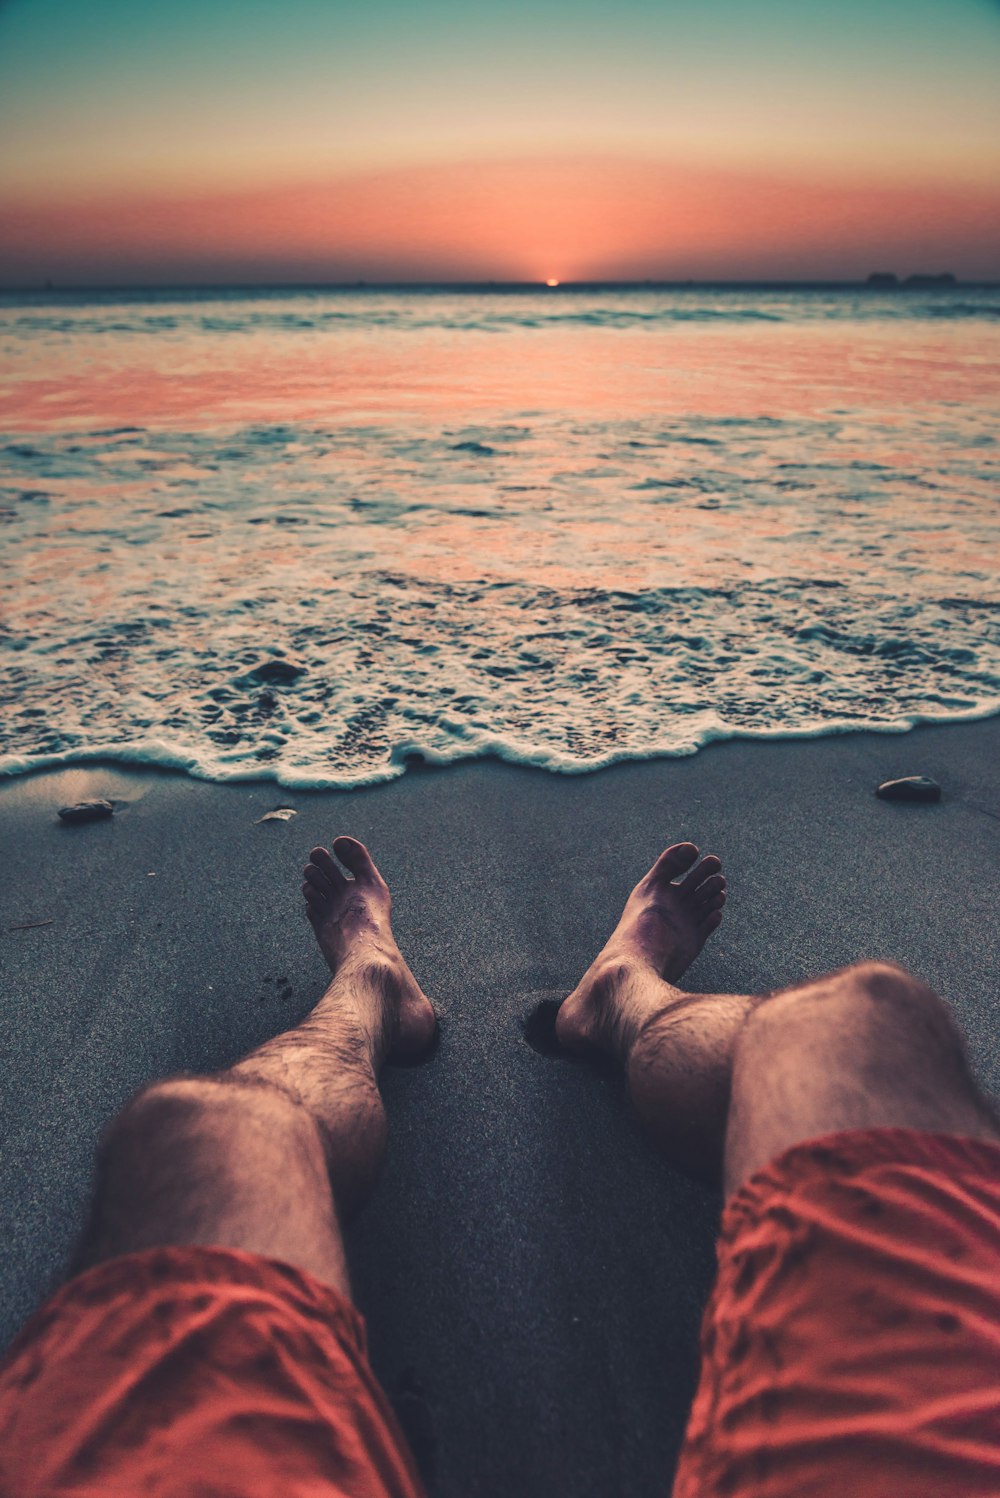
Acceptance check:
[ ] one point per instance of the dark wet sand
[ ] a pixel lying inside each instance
(528, 1266)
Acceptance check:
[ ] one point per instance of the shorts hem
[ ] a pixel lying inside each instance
(848, 1151)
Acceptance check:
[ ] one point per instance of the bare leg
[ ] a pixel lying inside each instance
(868, 1047)
(725, 1082)
(270, 1155)
(676, 1047)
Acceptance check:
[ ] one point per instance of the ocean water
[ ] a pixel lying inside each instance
(316, 535)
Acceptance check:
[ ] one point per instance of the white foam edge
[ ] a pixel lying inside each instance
(156, 754)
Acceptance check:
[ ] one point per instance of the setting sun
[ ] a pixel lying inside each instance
(552, 281)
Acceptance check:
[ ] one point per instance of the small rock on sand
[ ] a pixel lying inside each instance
(86, 811)
(910, 788)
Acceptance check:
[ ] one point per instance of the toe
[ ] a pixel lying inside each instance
(356, 857)
(673, 861)
(315, 899)
(710, 924)
(316, 879)
(325, 862)
(708, 866)
(713, 902)
(713, 885)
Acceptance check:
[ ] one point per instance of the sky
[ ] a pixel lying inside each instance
(205, 141)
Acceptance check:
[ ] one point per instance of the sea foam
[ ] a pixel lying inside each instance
(648, 548)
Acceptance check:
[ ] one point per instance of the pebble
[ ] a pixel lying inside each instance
(86, 811)
(910, 788)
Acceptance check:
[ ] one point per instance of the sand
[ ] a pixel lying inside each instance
(531, 1272)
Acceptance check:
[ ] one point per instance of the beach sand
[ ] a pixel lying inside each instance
(531, 1272)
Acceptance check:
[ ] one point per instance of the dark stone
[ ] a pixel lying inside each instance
(481, 449)
(910, 788)
(277, 670)
(86, 811)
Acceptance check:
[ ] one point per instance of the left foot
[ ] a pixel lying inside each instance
(351, 920)
(666, 922)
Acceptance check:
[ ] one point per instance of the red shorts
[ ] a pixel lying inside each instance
(851, 1349)
(197, 1373)
(851, 1346)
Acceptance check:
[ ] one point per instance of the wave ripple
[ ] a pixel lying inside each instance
(320, 601)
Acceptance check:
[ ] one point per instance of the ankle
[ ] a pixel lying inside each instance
(630, 996)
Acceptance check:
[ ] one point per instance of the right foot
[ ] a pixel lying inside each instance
(663, 928)
(351, 921)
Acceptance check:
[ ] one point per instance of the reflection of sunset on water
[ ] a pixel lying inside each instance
(564, 528)
(275, 375)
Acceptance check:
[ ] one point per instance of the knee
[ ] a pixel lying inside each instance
(884, 982)
(869, 982)
(856, 998)
(891, 994)
(166, 1108)
(885, 991)
(176, 1116)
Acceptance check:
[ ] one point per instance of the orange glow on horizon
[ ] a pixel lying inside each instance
(597, 218)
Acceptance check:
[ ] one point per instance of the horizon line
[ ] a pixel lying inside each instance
(877, 281)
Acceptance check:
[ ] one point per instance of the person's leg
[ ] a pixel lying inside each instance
(194, 1348)
(851, 1340)
(270, 1155)
(676, 1047)
(850, 1343)
(865, 1048)
(740, 1078)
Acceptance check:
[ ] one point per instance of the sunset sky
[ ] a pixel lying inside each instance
(312, 140)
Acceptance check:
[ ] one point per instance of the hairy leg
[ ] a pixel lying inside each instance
(270, 1155)
(725, 1082)
(676, 1047)
(868, 1047)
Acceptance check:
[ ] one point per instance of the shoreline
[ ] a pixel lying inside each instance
(527, 1263)
(404, 758)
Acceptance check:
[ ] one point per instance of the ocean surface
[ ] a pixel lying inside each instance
(318, 535)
